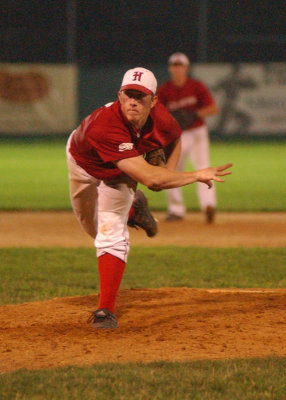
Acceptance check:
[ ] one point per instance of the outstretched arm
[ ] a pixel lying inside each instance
(158, 178)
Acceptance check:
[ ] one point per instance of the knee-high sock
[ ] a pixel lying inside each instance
(111, 271)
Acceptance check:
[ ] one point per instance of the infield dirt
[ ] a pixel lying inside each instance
(230, 230)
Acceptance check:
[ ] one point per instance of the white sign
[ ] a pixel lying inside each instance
(251, 97)
(37, 98)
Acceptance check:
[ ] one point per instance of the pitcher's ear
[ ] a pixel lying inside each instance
(154, 100)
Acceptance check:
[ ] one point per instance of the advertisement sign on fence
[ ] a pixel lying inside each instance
(252, 97)
(37, 98)
(43, 98)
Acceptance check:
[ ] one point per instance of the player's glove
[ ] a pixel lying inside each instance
(185, 118)
(156, 157)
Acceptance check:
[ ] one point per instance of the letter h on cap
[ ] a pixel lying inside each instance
(137, 76)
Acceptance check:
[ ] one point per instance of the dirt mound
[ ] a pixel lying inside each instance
(162, 324)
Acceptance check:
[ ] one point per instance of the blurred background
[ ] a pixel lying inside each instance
(60, 60)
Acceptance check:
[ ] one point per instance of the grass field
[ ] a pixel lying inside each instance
(34, 176)
(29, 274)
(199, 380)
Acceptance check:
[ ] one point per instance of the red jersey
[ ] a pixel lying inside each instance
(106, 136)
(191, 97)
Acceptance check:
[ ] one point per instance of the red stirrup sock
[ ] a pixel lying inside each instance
(111, 271)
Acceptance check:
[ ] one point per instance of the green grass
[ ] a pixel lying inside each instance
(34, 176)
(200, 380)
(256, 182)
(40, 273)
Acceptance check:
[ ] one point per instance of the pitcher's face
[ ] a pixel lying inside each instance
(136, 106)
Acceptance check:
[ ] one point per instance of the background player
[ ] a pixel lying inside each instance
(190, 102)
(105, 160)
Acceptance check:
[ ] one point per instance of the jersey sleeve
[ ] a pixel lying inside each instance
(167, 125)
(204, 95)
(112, 145)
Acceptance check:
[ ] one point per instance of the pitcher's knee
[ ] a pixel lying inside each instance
(112, 237)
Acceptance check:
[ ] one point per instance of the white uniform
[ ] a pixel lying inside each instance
(182, 102)
(101, 210)
(195, 146)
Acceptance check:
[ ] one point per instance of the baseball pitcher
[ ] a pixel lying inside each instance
(106, 158)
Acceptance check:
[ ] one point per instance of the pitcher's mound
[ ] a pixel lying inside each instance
(169, 324)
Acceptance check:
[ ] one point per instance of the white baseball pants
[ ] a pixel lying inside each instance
(101, 209)
(195, 145)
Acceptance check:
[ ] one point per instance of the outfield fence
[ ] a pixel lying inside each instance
(44, 99)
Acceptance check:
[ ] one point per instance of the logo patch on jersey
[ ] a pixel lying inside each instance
(125, 146)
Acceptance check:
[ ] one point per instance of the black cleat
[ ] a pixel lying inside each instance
(210, 214)
(142, 215)
(103, 319)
